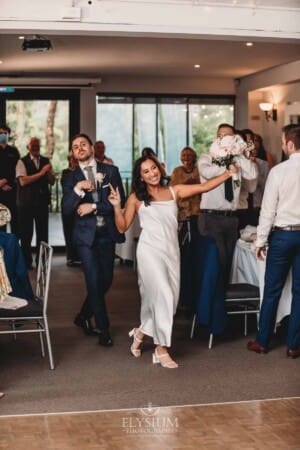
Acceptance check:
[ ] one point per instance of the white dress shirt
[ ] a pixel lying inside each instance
(215, 199)
(21, 169)
(281, 200)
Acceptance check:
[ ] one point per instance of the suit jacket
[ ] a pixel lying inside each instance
(85, 227)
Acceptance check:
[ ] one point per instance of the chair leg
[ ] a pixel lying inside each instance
(41, 339)
(246, 322)
(210, 342)
(193, 326)
(13, 326)
(48, 343)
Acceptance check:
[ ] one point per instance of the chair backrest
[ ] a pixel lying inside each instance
(43, 274)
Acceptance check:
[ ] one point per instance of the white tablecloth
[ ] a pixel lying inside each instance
(126, 250)
(247, 269)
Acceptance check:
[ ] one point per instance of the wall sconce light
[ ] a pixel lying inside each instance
(269, 110)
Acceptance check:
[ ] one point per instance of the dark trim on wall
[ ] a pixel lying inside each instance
(73, 95)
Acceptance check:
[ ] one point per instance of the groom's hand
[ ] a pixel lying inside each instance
(85, 209)
(85, 185)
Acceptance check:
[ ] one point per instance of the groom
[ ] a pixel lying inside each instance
(85, 196)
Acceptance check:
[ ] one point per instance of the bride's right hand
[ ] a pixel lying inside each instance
(114, 196)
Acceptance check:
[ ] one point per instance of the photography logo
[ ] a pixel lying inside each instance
(150, 419)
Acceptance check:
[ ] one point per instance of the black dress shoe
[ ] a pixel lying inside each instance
(105, 338)
(86, 325)
(73, 263)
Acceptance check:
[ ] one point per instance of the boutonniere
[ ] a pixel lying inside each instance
(100, 177)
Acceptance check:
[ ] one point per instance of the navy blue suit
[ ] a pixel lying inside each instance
(96, 249)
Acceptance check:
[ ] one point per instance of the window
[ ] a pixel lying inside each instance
(127, 124)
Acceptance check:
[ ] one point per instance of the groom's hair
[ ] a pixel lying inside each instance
(83, 135)
(138, 186)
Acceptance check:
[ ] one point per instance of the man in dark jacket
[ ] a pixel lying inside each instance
(85, 197)
(9, 156)
(34, 174)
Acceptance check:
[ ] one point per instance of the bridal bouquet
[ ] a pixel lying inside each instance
(224, 151)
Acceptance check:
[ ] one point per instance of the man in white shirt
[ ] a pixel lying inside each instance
(279, 230)
(218, 217)
(34, 174)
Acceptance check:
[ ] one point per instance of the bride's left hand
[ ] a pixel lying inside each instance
(114, 196)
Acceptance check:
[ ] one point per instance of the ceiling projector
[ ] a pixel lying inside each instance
(37, 44)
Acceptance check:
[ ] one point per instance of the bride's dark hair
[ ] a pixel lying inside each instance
(139, 187)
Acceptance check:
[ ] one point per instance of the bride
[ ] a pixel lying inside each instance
(157, 251)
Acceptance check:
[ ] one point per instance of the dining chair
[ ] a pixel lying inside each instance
(240, 298)
(32, 318)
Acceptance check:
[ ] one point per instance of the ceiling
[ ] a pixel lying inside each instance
(103, 56)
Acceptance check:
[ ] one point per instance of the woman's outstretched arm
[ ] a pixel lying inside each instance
(123, 219)
(185, 190)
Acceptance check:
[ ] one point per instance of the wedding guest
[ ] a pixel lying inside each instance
(247, 188)
(68, 221)
(218, 217)
(34, 175)
(263, 168)
(85, 197)
(258, 143)
(9, 156)
(157, 250)
(278, 237)
(188, 212)
(187, 173)
(99, 152)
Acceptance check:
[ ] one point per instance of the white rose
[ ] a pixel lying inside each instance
(100, 177)
(216, 151)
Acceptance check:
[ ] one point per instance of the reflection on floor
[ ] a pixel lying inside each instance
(256, 425)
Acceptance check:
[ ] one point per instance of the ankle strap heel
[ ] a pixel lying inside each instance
(136, 352)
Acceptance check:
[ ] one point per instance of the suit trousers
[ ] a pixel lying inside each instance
(28, 217)
(98, 265)
(283, 254)
(224, 231)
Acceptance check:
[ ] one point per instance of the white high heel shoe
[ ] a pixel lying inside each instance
(136, 352)
(158, 359)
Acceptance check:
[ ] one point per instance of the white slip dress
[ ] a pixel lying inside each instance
(158, 264)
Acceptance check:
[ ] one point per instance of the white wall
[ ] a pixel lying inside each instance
(278, 85)
(286, 99)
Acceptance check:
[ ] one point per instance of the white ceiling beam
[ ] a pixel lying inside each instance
(158, 18)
